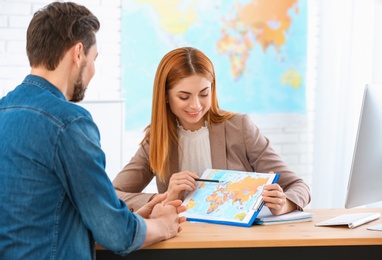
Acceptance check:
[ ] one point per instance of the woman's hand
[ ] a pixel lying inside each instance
(275, 199)
(179, 183)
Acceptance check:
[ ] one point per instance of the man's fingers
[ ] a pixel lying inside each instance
(158, 198)
(175, 203)
(182, 219)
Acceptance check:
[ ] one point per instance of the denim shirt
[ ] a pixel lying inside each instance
(55, 196)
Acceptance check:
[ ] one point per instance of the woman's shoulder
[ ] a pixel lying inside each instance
(237, 118)
(234, 120)
(242, 122)
(237, 122)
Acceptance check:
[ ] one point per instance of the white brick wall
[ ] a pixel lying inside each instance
(293, 143)
(294, 148)
(15, 16)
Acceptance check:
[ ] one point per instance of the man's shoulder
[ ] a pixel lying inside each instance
(60, 111)
(70, 112)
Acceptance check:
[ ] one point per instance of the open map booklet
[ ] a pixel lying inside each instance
(235, 200)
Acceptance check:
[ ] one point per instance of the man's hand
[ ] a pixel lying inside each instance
(162, 218)
(146, 210)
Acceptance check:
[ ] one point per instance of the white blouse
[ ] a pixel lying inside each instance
(194, 150)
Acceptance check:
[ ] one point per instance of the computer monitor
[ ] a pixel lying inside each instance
(365, 180)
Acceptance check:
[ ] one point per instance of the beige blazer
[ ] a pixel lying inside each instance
(236, 144)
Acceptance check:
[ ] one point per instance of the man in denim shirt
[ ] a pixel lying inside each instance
(55, 197)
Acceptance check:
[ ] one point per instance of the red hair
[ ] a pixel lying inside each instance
(175, 66)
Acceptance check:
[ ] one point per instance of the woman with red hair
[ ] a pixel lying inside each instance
(189, 133)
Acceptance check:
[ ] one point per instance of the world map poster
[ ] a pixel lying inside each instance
(234, 200)
(258, 48)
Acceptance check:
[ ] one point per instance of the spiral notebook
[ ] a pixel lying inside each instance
(265, 217)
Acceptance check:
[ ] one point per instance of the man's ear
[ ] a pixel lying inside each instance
(78, 53)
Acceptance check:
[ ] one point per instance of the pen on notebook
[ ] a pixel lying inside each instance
(206, 180)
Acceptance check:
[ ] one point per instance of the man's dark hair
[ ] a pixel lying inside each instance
(55, 29)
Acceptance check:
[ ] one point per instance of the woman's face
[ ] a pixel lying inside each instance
(190, 100)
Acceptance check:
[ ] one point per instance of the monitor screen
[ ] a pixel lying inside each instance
(365, 180)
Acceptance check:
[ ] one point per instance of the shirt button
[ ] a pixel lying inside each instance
(132, 210)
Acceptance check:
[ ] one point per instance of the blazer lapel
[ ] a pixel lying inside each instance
(218, 146)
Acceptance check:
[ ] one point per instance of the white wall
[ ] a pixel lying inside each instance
(377, 53)
(15, 16)
(347, 61)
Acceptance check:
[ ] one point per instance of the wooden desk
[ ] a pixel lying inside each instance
(284, 241)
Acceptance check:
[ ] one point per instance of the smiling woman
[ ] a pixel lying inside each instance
(189, 133)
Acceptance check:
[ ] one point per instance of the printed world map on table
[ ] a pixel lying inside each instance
(235, 200)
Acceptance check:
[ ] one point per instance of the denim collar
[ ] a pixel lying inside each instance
(40, 82)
